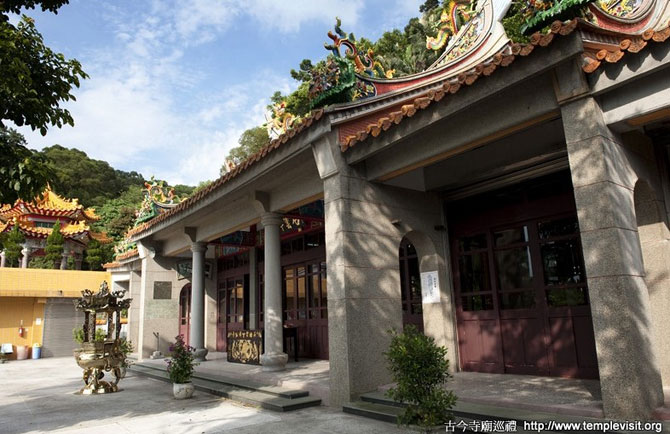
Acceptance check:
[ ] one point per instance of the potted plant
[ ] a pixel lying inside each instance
(180, 368)
(420, 370)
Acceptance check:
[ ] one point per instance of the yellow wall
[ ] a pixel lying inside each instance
(15, 309)
(27, 282)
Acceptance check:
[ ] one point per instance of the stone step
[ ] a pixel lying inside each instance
(373, 410)
(376, 405)
(262, 399)
(240, 383)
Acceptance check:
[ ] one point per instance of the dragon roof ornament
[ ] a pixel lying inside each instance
(158, 198)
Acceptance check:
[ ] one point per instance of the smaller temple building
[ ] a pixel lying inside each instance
(36, 219)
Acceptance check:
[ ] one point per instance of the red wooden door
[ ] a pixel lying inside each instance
(521, 292)
(305, 306)
(231, 308)
(477, 305)
(185, 312)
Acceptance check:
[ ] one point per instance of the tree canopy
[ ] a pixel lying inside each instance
(23, 172)
(14, 6)
(13, 244)
(251, 141)
(93, 182)
(34, 80)
(55, 246)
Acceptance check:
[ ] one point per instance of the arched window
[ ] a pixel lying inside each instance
(410, 285)
(185, 312)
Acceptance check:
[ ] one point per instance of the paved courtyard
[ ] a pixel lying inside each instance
(38, 396)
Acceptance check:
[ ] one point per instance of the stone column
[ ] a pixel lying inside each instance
(3, 259)
(274, 358)
(26, 256)
(63, 261)
(197, 337)
(253, 289)
(604, 181)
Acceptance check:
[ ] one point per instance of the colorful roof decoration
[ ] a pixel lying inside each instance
(279, 122)
(49, 204)
(478, 49)
(454, 16)
(35, 219)
(158, 197)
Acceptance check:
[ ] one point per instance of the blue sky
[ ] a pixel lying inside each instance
(174, 83)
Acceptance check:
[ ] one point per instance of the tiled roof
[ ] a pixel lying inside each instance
(48, 204)
(69, 230)
(591, 61)
(121, 257)
(188, 203)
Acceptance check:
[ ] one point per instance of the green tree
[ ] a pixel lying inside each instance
(94, 255)
(54, 247)
(303, 72)
(251, 141)
(98, 254)
(93, 182)
(201, 186)
(40, 262)
(34, 80)
(13, 244)
(513, 22)
(429, 5)
(118, 214)
(14, 6)
(182, 191)
(23, 172)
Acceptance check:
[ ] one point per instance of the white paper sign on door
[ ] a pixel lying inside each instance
(430, 287)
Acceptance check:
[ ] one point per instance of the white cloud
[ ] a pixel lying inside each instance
(147, 108)
(288, 16)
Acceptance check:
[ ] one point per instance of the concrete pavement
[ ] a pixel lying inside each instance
(38, 396)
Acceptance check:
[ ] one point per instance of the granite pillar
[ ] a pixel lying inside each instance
(603, 183)
(197, 331)
(274, 358)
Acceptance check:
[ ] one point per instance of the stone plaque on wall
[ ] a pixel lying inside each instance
(162, 290)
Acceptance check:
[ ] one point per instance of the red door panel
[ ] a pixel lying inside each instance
(522, 301)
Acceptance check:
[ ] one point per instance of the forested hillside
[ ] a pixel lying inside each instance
(115, 194)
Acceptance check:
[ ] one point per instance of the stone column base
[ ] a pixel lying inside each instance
(274, 361)
(200, 354)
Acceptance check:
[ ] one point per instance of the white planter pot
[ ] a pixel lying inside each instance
(182, 390)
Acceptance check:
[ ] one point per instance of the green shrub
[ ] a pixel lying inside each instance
(180, 367)
(420, 370)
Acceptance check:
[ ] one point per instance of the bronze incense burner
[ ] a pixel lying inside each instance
(96, 358)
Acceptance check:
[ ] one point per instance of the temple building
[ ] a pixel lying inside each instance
(35, 220)
(512, 201)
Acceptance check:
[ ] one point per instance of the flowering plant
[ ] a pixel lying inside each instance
(180, 367)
